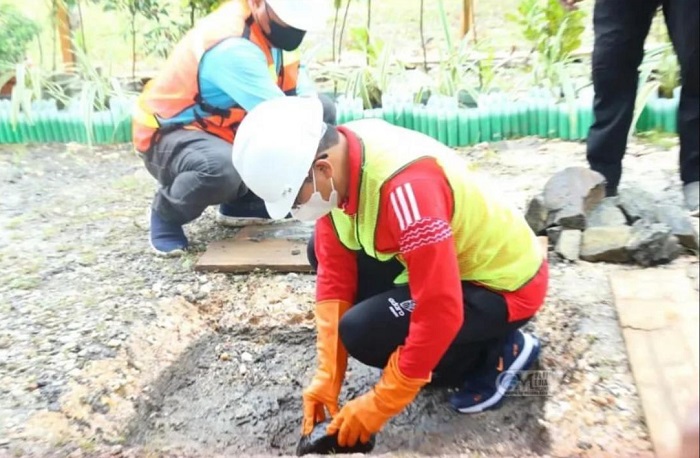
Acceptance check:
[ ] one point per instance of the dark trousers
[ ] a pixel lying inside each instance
(194, 170)
(379, 320)
(621, 27)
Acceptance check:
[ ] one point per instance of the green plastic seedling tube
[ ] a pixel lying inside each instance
(107, 127)
(463, 125)
(523, 119)
(22, 130)
(52, 126)
(553, 121)
(389, 114)
(669, 116)
(4, 123)
(564, 123)
(474, 126)
(542, 119)
(452, 120)
(586, 119)
(425, 121)
(340, 116)
(485, 125)
(495, 117)
(656, 115)
(643, 121)
(533, 118)
(513, 124)
(408, 116)
(442, 126)
(432, 123)
(38, 127)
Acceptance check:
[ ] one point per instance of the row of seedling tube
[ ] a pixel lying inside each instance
(495, 119)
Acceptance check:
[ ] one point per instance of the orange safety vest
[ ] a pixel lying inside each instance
(175, 91)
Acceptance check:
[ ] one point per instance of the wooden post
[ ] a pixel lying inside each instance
(467, 16)
(65, 34)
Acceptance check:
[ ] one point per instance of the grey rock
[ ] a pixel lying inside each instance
(652, 244)
(571, 194)
(680, 224)
(606, 244)
(536, 215)
(569, 244)
(553, 234)
(636, 203)
(607, 213)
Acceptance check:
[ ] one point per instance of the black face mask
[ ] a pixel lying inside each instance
(287, 38)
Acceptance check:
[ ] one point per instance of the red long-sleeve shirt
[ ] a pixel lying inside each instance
(416, 206)
(415, 209)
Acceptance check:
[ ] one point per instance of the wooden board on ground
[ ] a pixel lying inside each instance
(277, 247)
(658, 313)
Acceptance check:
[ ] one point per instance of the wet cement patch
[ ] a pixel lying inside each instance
(249, 401)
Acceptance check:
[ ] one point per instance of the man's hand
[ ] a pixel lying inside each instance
(366, 415)
(332, 362)
(319, 396)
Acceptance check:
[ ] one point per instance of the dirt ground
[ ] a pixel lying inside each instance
(107, 350)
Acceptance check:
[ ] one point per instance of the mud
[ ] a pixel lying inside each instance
(249, 401)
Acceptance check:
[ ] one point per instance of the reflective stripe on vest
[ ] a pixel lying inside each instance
(172, 100)
(495, 246)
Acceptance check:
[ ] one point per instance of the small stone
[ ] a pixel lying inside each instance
(652, 244)
(636, 203)
(607, 213)
(680, 224)
(553, 234)
(606, 244)
(242, 369)
(246, 357)
(583, 445)
(601, 401)
(225, 357)
(571, 194)
(536, 215)
(569, 244)
(113, 343)
(5, 342)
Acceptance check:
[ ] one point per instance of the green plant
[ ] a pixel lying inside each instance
(668, 72)
(16, 32)
(554, 33)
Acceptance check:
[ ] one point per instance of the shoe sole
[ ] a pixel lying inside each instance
(167, 254)
(527, 357)
(232, 221)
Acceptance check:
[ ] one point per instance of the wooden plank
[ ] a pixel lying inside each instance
(277, 247)
(658, 312)
(241, 256)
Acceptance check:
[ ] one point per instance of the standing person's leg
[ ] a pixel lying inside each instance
(488, 344)
(683, 23)
(194, 170)
(620, 31)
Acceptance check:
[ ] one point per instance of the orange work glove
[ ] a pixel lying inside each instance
(366, 415)
(332, 362)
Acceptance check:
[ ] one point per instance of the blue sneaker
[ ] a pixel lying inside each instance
(246, 211)
(167, 239)
(486, 390)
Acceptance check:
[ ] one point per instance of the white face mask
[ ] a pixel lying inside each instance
(316, 207)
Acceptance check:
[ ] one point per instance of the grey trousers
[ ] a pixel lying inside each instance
(194, 170)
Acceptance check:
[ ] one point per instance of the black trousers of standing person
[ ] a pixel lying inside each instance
(194, 170)
(379, 320)
(621, 27)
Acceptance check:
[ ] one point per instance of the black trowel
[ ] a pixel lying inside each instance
(320, 443)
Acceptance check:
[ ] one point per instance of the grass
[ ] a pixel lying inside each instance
(106, 33)
(663, 140)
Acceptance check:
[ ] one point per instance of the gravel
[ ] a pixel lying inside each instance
(95, 331)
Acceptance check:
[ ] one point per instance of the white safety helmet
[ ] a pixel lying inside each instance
(309, 15)
(275, 147)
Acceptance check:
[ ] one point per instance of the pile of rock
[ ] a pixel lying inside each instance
(581, 223)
